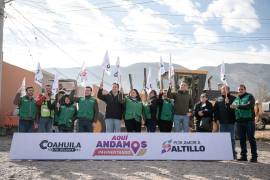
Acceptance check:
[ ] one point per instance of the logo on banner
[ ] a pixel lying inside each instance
(176, 146)
(60, 146)
(120, 146)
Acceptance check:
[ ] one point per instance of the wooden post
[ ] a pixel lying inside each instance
(130, 81)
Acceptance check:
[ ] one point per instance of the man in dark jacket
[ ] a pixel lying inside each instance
(114, 111)
(225, 114)
(245, 121)
(182, 107)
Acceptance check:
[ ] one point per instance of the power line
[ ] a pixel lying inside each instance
(198, 43)
(158, 14)
(55, 44)
(156, 32)
(28, 45)
(176, 42)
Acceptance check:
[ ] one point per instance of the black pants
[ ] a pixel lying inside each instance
(247, 130)
(165, 126)
(132, 125)
(150, 125)
(63, 128)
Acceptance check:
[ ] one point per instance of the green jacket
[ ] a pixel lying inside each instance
(133, 109)
(28, 108)
(146, 111)
(245, 108)
(88, 108)
(182, 102)
(66, 115)
(165, 110)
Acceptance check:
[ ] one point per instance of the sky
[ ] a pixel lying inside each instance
(66, 33)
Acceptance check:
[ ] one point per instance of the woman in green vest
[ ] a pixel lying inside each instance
(150, 111)
(66, 115)
(133, 111)
(53, 105)
(165, 112)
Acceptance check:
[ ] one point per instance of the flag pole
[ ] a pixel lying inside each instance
(161, 82)
(102, 78)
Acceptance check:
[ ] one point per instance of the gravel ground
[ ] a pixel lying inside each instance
(134, 169)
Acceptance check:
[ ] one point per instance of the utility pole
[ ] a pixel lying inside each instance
(2, 17)
(2, 6)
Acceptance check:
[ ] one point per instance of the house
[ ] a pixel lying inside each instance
(11, 82)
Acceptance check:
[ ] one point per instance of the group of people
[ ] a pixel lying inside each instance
(164, 110)
(59, 110)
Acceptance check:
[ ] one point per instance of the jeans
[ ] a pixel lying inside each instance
(85, 125)
(230, 128)
(26, 125)
(181, 123)
(247, 130)
(113, 125)
(45, 124)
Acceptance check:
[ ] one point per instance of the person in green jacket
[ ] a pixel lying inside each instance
(66, 114)
(87, 111)
(133, 109)
(245, 122)
(53, 104)
(150, 111)
(27, 110)
(165, 112)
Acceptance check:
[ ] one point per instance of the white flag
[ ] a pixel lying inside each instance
(171, 69)
(117, 73)
(38, 75)
(106, 64)
(148, 83)
(83, 75)
(223, 77)
(161, 67)
(23, 93)
(55, 85)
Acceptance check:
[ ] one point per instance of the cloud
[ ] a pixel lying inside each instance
(82, 35)
(205, 36)
(186, 8)
(236, 15)
(85, 32)
(146, 31)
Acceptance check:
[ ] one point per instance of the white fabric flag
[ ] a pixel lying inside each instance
(171, 69)
(148, 83)
(55, 85)
(223, 77)
(23, 86)
(117, 73)
(161, 67)
(83, 75)
(106, 64)
(38, 75)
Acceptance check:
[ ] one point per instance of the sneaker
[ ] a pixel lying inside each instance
(242, 159)
(254, 160)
